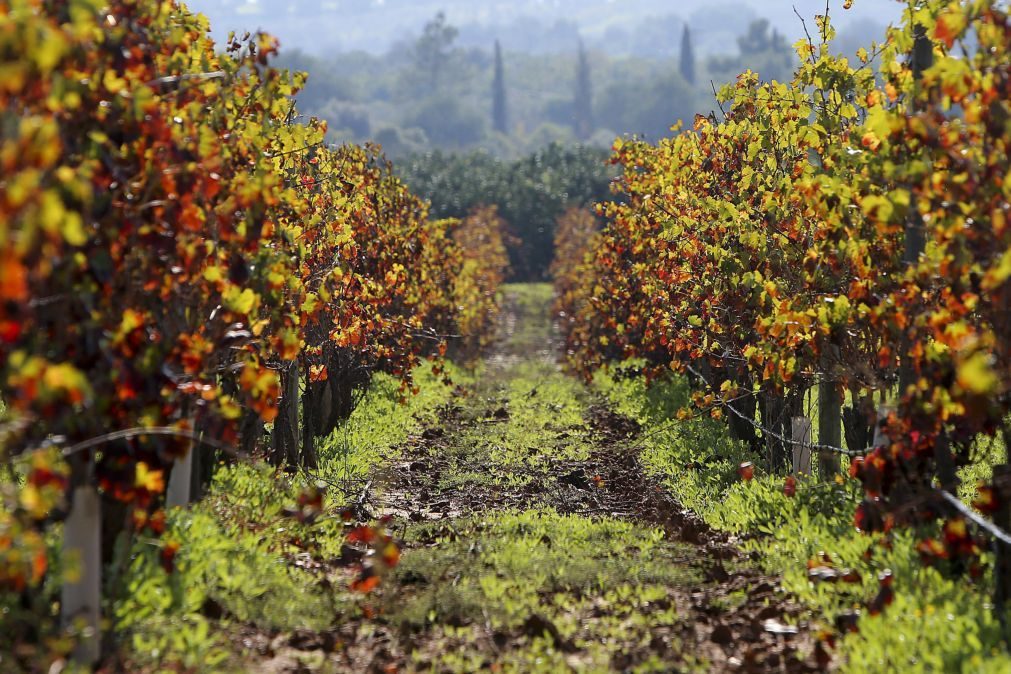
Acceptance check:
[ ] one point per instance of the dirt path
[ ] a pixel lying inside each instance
(534, 541)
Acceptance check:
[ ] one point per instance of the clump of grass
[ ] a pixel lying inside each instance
(543, 421)
(937, 623)
(697, 457)
(381, 422)
(602, 584)
(235, 566)
(231, 567)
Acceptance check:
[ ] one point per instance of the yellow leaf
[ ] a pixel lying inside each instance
(310, 303)
(241, 302)
(132, 319)
(112, 82)
(999, 273)
(976, 376)
(32, 501)
(213, 274)
(68, 380)
(152, 480)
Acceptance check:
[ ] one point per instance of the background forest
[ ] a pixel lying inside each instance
(458, 90)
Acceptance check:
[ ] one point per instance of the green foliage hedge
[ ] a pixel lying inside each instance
(530, 193)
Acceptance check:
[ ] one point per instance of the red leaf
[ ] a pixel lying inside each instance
(746, 471)
(363, 534)
(790, 486)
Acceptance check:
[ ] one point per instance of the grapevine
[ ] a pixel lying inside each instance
(836, 231)
(183, 265)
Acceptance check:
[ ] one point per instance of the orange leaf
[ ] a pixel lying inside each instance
(13, 278)
(366, 583)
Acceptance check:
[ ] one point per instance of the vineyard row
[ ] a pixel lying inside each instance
(184, 266)
(844, 232)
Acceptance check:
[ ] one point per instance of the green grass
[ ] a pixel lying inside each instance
(381, 422)
(561, 592)
(235, 559)
(488, 589)
(522, 420)
(234, 566)
(531, 332)
(938, 623)
(237, 547)
(521, 413)
(603, 584)
(697, 458)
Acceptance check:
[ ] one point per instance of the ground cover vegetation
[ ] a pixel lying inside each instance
(533, 541)
(528, 539)
(829, 250)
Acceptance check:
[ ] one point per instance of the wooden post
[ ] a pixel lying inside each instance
(857, 423)
(776, 418)
(801, 436)
(829, 428)
(81, 600)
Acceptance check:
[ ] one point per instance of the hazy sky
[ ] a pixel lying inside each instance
(325, 25)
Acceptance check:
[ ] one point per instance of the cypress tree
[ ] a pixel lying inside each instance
(687, 57)
(499, 112)
(582, 104)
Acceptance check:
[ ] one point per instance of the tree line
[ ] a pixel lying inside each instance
(529, 193)
(431, 94)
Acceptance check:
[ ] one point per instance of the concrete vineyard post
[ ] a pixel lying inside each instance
(81, 599)
(801, 428)
(181, 481)
(881, 438)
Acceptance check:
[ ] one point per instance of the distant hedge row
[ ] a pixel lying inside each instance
(530, 193)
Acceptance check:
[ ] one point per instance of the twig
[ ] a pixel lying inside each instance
(129, 433)
(810, 40)
(717, 97)
(979, 521)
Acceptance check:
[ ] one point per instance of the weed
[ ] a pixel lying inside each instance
(600, 585)
(935, 624)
